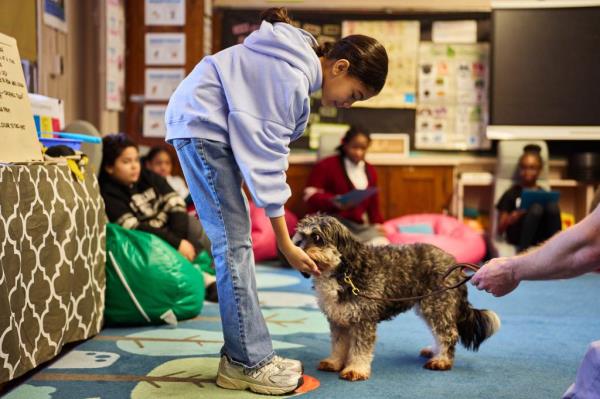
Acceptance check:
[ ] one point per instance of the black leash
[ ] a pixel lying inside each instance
(462, 266)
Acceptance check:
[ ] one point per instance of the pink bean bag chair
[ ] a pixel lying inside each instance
(264, 244)
(445, 232)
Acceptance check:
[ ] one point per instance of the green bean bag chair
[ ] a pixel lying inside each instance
(148, 281)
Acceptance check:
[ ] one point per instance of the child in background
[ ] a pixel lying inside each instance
(344, 172)
(527, 227)
(137, 198)
(232, 119)
(159, 161)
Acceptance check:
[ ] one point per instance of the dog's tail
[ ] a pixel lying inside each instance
(476, 325)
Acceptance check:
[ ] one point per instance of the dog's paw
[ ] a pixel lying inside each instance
(427, 352)
(329, 365)
(438, 364)
(354, 375)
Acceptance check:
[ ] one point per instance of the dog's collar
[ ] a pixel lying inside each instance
(340, 276)
(341, 270)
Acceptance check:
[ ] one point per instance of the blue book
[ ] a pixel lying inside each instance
(530, 197)
(355, 197)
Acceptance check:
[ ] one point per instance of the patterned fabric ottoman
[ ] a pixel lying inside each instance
(52, 255)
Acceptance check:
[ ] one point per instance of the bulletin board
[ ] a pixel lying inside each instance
(233, 25)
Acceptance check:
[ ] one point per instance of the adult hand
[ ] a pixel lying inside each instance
(300, 261)
(187, 250)
(496, 277)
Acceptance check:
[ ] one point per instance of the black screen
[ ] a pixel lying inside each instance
(546, 67)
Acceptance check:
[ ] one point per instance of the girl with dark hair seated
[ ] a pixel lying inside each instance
(340, 174)
(159, 161)
(137, 198)
(527, 227)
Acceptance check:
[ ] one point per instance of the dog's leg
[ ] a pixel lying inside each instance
(339, 349)
(429, 351)
(440, 316)
(360, 354)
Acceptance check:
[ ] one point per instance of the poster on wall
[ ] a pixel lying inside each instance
(17, 130)
(452, 109)
(115, 54)
(55, 14)
(160, 83)
(401, 41)
(154, 120)
(165, 49)
(165, 12)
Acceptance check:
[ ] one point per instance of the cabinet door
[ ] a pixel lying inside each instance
(297, 175)
(416, 189)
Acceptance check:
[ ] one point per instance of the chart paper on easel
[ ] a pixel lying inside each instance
(17, 130)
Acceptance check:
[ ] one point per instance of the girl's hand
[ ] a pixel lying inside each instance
(300, 260)
(516, 215)
(381, 229)
(341, 206)
(187, 250)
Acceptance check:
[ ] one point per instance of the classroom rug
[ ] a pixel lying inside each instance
(546, 328)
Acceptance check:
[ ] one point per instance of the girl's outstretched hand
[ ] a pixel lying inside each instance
(300, 260)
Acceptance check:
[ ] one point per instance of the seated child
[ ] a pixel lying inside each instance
(159, 161)
(136, 198)
(527, 227)
(340, 174)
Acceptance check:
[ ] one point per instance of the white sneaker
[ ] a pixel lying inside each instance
(271, 379)
(290, 364)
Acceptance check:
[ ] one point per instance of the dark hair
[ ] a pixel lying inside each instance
(113, 146)
(367, 57)
(154, 151)
(532, 149)
(275, 14)
(350, 134)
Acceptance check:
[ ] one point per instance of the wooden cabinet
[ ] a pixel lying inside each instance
(403, 190)
(297, 175)
(406, 190)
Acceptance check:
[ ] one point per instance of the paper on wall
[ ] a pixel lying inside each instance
(401, 41)
(454, 31)
(154, 121)
(160, 83)
(165, 12)
(165, 49)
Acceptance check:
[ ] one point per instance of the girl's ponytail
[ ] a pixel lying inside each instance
(274, 14)
(323, 49)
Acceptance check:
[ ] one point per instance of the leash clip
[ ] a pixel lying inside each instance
(348, 281)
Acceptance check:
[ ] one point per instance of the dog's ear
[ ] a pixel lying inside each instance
(344, 239)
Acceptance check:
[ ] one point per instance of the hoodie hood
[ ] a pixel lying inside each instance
(290, 44)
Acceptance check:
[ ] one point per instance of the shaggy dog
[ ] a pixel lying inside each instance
(386, 272)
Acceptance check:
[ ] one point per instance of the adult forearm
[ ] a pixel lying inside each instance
(568, 254)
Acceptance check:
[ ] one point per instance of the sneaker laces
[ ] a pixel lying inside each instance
(269, 368)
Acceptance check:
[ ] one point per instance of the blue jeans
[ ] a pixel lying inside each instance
(215, 183)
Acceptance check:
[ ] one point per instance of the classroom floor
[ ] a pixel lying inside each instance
(546, 329)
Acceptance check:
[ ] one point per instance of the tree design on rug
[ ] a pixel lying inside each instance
(273, 280)
(30, 392)
(283, 321)
(277, 299)
(203, 368)
(179, 342)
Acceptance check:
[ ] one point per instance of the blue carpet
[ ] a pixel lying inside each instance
(546, 328)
